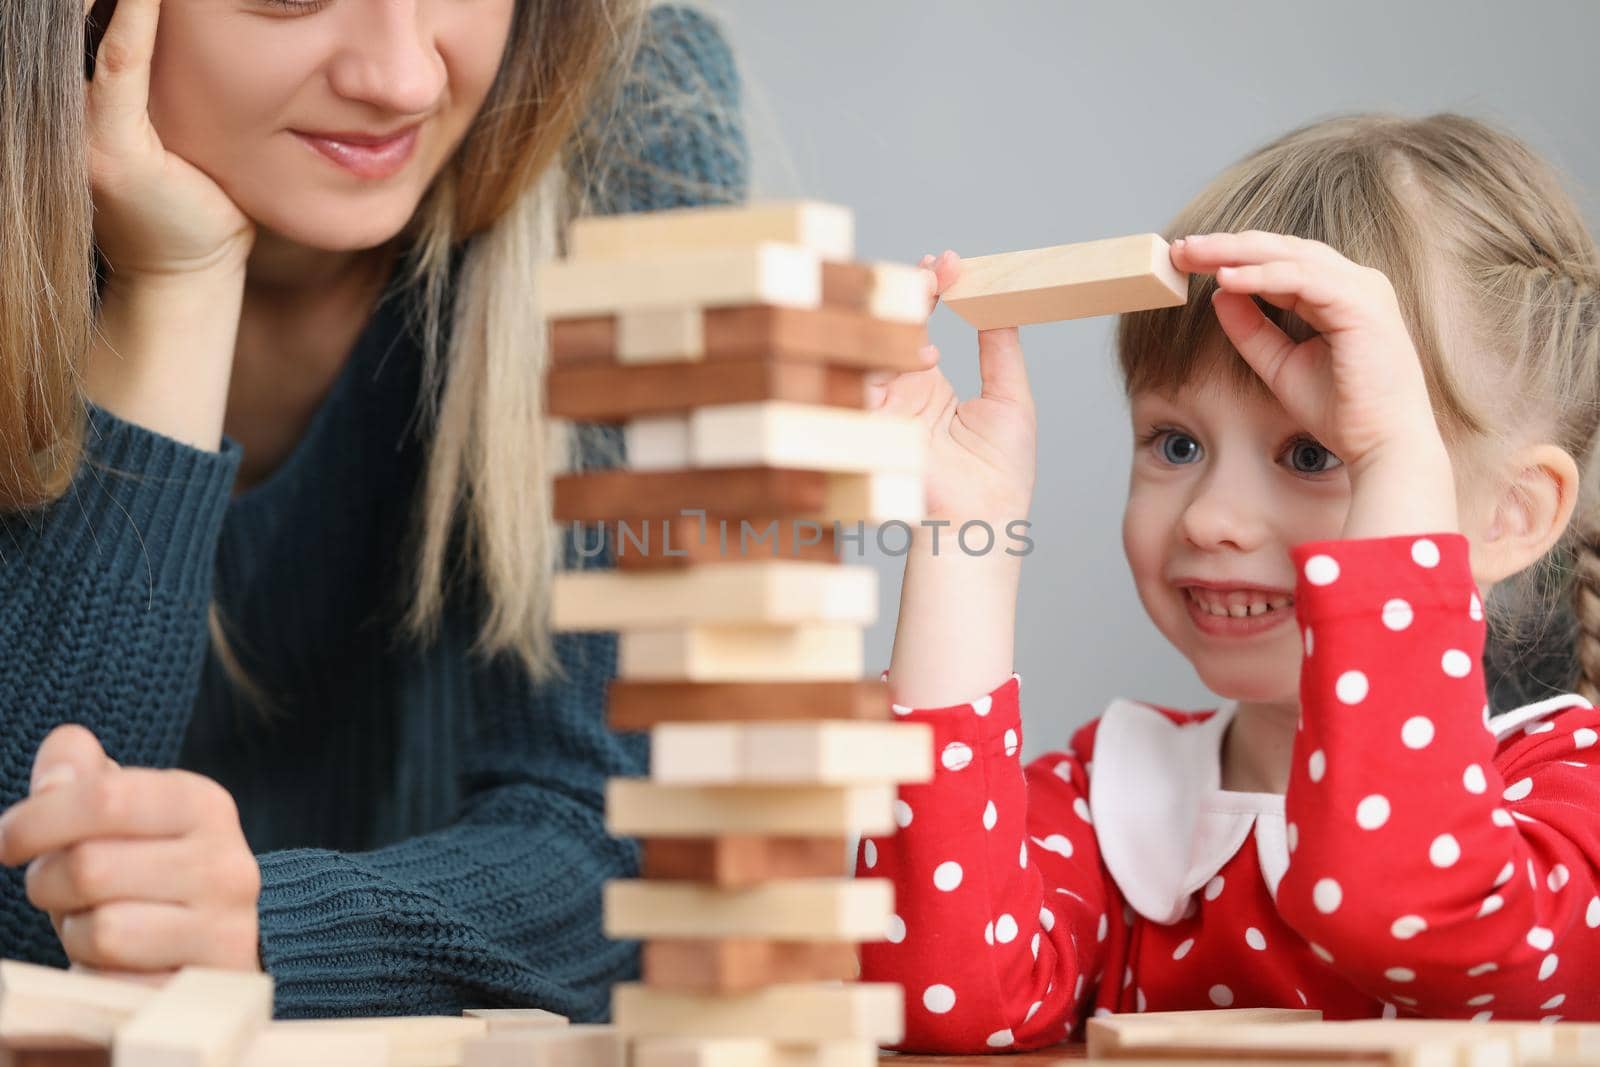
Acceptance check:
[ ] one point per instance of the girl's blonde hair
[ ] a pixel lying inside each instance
(1498, 279)
(561, 132)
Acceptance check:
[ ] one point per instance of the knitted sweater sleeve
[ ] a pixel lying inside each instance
(503, 906)
(103, 601)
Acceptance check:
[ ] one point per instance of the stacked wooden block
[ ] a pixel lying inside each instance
(732, 345)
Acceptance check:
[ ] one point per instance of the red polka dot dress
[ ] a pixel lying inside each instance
(1426, 861)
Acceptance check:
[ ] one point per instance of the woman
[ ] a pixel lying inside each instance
(314, 421)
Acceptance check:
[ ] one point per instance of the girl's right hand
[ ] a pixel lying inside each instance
(155, 213)
(981, 451)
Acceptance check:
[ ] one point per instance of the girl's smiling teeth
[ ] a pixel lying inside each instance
(1237, 604)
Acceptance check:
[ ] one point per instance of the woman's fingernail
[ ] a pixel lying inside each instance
(60, 774)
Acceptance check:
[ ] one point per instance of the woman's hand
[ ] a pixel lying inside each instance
(155, 213)
(981, 451)
(140, 870)
(1357, 385)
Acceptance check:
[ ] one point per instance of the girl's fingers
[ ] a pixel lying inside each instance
(1256, 338)
(68, 754)
(1204, 253)
(139, 936)
(1323, 301)
(101, 872)
(120, 92)
(911, 394)
(881, 382)
(125, 802)
(947, 269)
(1000, 363)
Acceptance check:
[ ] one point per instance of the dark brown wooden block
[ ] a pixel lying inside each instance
(635, 706)
(741, 861)
(624, 495)
(612, 392)
(742, 965)
(725, 541)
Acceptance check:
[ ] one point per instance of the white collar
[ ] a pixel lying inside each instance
(1157, 783)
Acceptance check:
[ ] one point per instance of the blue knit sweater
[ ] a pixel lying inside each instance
(429, 826)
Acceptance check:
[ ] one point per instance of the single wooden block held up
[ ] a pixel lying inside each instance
(768, 592)
(782, 275)
(498, 1019)
(200, 1018)
(1068, 282)
(747, 653)
(568, 1046)
(635, 706)
(686, 541)
(826, 229)
(818, 753)
(738, 862)
(49, 1008)
(784, 1013)
(604, 392)
(636, 808)
(413, 1041)
(738, 966)
(818, 909)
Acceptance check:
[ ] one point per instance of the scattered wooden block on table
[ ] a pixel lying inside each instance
(820, 753)
(288, 1045)
(35, 1057)
(814, 651)
(412, 1041)
(741, 965)
(1529, 1042)
(785, 1013)
(568, 1046)
(498, 1019)
(633, 496)
(750, 1052)
(1104, 1033)
(1073, 281)
(601, 393)
(740, 861)
(51, 1008)
(777, 592)
(832, 336)
(199, 1018)
(636, 808)
(1252, 1041)
(816, 909)
(826, 229)
(768, 273)
(638, 705)
(687, 541)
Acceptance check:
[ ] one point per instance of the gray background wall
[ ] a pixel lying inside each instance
(1007, 124)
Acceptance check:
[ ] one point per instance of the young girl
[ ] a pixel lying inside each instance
(1372, 411)
(313, 387)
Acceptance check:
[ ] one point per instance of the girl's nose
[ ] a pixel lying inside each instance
(1224, 515)
(393, 64)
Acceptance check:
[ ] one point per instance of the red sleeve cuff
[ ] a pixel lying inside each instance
(1339, 579)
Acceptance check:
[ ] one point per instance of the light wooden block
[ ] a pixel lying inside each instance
(658, 443)
(806, 437)
(50, 1008)
(635, 705)
(636, 808)
(750, 1052)
(199, 1018)
(819, 651)
(1530, 1042)
(874, 498)
(784, 1013)
(1104, 1033)
(604, 392)
(1394, 1048)
(688, 541)
(498, 1019)
(1068, 282)
(286, 1045)
(413, 1041)
(819, 753)
(760, 592)
(826, 229)
(569, 1046)
(741, 861)
(655, 335)
(900, 293)
(744, 964)
(770, 273)
(735, 492)
(819, 909)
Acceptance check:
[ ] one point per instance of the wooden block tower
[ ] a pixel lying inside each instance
(732, 345)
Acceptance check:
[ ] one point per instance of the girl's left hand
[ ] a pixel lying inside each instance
(140, 870)
(1357, 384)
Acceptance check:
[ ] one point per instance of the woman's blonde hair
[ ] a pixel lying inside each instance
(46, 287)
(561, 132)
(1498, 279)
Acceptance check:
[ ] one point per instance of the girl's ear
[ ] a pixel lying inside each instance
(1529, 514)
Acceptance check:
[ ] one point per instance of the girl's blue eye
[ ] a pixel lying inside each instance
(1179, 448)
(1309, 457)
